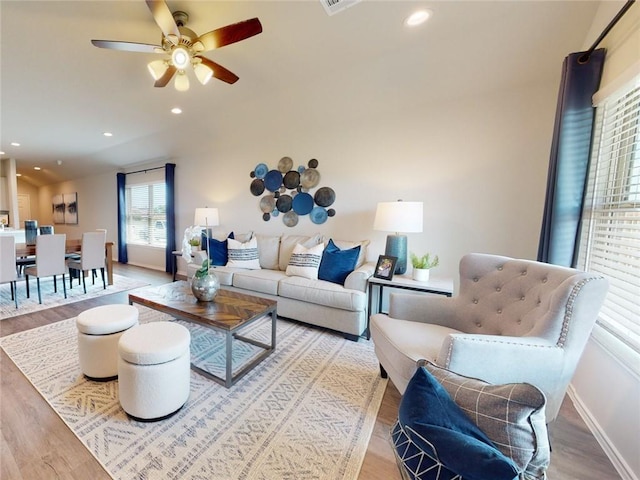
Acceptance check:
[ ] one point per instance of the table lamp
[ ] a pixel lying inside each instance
(399, 217)
(206, 217)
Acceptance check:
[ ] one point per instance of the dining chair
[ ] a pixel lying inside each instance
(50, 261)
(8, 272)
(92, 257)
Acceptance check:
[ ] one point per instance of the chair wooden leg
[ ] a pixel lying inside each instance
(39, 294)
(84, 283)
(64, 286)
(104, 283)
(26, 279)
(55, 284)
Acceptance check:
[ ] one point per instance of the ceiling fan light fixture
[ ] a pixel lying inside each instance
(180, 58)
(157, 68)
(182, 81)
(203, 72)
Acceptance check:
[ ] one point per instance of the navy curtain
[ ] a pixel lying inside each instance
(169, 180)
(570, 152)
(122, 218)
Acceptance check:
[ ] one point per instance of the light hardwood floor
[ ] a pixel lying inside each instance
(36, 445)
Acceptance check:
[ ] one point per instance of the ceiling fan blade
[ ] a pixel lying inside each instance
(168, 75)
(128, 46)
(230, 34)
(219, 71)
(164, 18)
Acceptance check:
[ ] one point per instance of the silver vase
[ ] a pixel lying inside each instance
(205, 288)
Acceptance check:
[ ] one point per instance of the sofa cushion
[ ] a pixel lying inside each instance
(347, 244)
(304, 262)
(337, 264)
(243, 255)
(268, 250)
(259, 281)
(322, 293)
(218, 252)
(433, 422)
(512, 415)
(287, 242)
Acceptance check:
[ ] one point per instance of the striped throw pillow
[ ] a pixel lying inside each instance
(304, 262)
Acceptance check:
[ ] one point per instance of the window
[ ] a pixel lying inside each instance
(147, 214)
(610, 235)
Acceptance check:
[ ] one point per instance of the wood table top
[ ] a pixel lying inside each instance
(71, 245)
(228, 310)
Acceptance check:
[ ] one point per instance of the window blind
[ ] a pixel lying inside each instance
(146, 214)
(610, 234)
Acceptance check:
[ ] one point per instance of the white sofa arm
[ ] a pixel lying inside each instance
(437, 310)
(357, 280)
(199, 256)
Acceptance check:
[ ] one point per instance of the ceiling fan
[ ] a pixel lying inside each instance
(183, 48)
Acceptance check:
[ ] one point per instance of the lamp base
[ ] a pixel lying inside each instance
(397, 247)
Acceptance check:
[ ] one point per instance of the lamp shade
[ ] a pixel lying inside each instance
(206, 217)
(401, 217)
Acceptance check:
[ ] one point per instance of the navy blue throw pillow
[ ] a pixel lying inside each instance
(218, 251)
(337, 264)
(434, 423)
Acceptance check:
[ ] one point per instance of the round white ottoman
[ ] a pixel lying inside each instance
(154, 370)
(99, 330)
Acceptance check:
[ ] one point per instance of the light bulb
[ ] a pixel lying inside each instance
(180, 58)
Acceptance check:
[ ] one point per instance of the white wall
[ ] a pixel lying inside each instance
(606, 393)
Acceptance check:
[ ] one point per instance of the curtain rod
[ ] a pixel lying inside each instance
(585, 58)
(149, 169)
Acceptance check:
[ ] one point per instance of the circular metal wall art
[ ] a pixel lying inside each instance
(318, 215)
(302, 203)
(309, 178)
(313, 163)
(266, 217)
(267, 203)
(325, 196)
(291, 180)
(257, 187)
(284, 202)
(285, 164)
(273, 180)
(290, 219)
(261, 170)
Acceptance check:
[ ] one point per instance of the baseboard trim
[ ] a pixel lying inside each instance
(601, 437)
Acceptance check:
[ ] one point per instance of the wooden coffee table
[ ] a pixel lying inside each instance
(228, 313)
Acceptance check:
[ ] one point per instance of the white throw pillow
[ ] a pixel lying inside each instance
(243, 255)
(304, 262)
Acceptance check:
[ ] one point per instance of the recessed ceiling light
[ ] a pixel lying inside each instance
(15, 144)
(176, 110)
(37, 168)
(18, 174)
(108, 134)
(418, 18)
(1, 153)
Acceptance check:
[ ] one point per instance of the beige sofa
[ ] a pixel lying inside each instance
(317, 302)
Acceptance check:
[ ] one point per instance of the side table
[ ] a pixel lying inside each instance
(438, 286)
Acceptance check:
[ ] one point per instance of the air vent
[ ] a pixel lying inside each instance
(334, 6)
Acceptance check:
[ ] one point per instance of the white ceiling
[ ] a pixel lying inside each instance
(59, 93)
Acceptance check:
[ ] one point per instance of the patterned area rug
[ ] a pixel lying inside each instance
(52, 299)
(306, 412)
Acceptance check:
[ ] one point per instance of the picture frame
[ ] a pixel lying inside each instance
(385, 267)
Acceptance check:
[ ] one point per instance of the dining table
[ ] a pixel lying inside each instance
(72, 246)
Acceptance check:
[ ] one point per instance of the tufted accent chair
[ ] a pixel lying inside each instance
(512, 321)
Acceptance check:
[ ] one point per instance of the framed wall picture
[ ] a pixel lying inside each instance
(57, 209)
(385, 267)
(70, 201)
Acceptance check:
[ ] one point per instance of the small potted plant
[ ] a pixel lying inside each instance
(195, 244)
(422, 265)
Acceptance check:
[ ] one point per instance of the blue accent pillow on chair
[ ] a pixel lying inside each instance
(336, 264)
(433, 429)
(218, 251)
